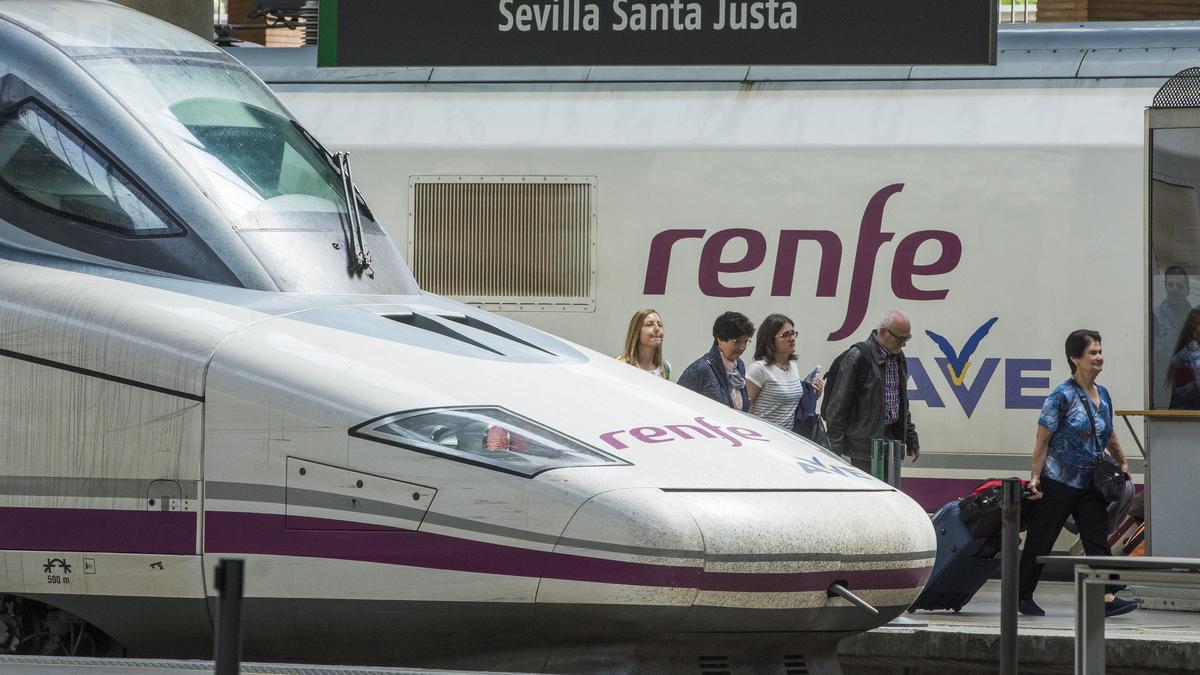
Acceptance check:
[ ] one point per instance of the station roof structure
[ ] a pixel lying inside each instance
(1153, 50)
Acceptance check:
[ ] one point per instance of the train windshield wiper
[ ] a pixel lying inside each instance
(360, 259)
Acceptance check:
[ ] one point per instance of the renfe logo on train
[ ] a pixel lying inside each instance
(667, 433)
(871, 239)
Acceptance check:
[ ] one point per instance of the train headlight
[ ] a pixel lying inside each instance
(488, 436)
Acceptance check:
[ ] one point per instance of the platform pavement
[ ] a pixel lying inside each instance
(1143, 641)
(43, 665)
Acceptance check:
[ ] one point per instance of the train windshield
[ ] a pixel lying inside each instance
(283, 193)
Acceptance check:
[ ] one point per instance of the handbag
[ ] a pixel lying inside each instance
(1107, 476)
(813, 428)
(806, 421)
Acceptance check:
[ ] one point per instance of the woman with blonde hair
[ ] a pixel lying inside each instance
(643, 344)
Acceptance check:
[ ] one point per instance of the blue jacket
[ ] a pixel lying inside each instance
(706, 375)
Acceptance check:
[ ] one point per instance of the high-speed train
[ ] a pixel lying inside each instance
(210, 349)
(975, 198)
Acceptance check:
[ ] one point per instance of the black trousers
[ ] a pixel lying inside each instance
(1058, 501)
(891, 432)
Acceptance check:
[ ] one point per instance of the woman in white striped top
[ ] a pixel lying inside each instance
(773, 381)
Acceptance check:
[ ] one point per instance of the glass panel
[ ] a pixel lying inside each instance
(264, 152)
(154, 90)
(45, 162)
(230, 134)
(1174, 256)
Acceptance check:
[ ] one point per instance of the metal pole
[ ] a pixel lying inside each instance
(895, 463)
(878, 460)
(228, 582)
(1010, 514)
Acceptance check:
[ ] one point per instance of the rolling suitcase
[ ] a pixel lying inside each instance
(963, 563)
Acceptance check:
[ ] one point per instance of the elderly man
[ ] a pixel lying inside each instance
(866, 397)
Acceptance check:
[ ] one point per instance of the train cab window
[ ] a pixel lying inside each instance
(263, 154)
(45, 162)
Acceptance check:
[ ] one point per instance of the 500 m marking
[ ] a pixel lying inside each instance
(62, 565)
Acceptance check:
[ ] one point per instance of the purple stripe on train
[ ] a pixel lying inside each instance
(265, 534)
(98, 530)
(932, 493)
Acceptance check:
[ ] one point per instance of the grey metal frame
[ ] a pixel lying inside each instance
(1092, 574)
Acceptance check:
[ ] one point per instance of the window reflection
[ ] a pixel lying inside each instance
(43, 161)
(1174, 259)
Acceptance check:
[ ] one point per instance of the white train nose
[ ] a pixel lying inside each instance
(745, 561)
(770, 558)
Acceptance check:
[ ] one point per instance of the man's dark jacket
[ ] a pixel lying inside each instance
(707, 375)
(853, 407)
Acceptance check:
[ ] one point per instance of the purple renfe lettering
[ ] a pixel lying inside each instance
(650, 435)
(708, 425)
(659, 261)
(678, 430)
(748, 434)
(711, 265)
(905, 266)
(870, 238)
(785, 261)
(611, 438)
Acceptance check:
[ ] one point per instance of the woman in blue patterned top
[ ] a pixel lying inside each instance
(1075, 427)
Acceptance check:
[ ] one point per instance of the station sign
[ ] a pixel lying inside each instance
(432, 33)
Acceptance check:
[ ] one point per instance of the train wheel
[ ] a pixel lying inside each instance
(10, 635)
(30, 627)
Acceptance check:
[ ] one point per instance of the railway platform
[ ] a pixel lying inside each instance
(1145, 641)
(48, 665)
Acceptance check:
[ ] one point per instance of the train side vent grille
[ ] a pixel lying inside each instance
(714, 665)
(510, 243)
(795, 664)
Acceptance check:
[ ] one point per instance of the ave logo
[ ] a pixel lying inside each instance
(1020, 375)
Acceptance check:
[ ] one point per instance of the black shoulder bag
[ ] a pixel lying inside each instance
(1107, 476)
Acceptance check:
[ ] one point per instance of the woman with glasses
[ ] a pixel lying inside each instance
(720, 374)
(774, 382)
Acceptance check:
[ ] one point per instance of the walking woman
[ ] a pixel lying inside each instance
(644, 344)
(720, 374)
(773, 381)
(1074, 429)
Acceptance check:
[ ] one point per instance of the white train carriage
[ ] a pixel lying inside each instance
(210, 348)
(976, 198)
